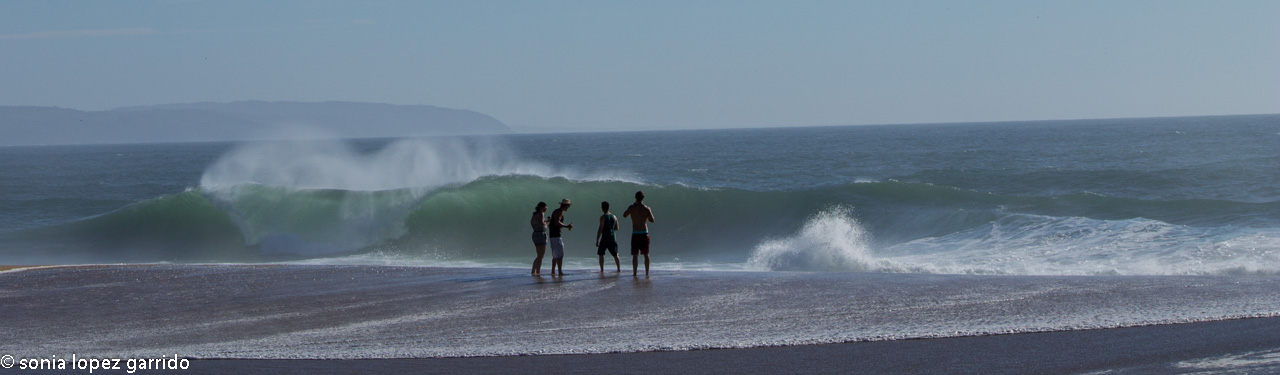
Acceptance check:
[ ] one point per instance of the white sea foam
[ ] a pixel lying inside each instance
(1039, 245)
(832, 240)
(1263, 362)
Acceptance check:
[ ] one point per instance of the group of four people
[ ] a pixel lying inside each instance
(606, 235)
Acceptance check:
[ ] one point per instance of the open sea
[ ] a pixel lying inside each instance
(950, 216)
(1161, 196)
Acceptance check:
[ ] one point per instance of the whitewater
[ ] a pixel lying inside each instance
(1173, 196)
(419, 248)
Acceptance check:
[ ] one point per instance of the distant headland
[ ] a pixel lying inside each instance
(236, 121)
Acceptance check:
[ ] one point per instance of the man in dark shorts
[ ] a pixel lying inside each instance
(607, 238)
(641, 215)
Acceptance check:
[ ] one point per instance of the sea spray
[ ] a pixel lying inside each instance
(831, 240)
(420, 163)
(993, 198)
(1021, 244)
(323, 196)
(320, 197)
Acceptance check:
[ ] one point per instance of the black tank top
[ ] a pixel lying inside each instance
(609, 235)
(555, 224)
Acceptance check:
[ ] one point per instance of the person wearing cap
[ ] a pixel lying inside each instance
(557, 244)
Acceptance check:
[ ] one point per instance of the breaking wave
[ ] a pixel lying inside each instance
(468, 202)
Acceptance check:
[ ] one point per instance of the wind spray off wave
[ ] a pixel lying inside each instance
(862, 199)
(321, 197)
(331, 164)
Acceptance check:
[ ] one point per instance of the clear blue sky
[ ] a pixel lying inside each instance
(612, 65)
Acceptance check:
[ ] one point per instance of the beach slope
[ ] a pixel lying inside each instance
(234, 318)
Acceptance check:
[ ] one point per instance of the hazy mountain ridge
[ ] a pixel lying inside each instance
(247, 120)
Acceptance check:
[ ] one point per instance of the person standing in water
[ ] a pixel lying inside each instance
(557, 244)
(539, 223)
(607, 237)
(641, 215)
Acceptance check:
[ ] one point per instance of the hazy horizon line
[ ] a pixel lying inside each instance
(524, 129)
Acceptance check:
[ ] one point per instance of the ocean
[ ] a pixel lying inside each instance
(1159, 196)
(419, 248)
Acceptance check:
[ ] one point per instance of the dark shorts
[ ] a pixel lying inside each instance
(639, 244)
(612, 246)
(539, 238)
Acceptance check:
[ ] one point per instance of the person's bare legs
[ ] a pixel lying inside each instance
(602, 264)
(635, 264)
(646, 264)
(616, 262)
(537, 262)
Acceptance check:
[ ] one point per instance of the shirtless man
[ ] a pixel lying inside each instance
(641, 216)
(557, 243)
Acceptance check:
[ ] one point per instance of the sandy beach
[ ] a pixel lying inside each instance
(374, 319)
(8, 268)
(1235, 346)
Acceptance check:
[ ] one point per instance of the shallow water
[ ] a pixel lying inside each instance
(295, 311)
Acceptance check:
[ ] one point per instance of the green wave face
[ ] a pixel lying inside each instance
(184, 227)
(487, 221)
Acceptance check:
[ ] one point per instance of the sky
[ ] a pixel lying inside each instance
(655, 64)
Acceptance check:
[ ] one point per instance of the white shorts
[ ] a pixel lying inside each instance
(557, 248)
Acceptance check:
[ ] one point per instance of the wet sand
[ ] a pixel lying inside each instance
(1233, 346)
(1236, 346)
(368, 319)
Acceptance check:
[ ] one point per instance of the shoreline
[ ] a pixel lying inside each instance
(4, 268)
(1229, 346)
(1251, 345)
(341, 319)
